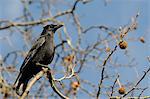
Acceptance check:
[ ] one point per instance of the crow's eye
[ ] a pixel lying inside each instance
(52, 26)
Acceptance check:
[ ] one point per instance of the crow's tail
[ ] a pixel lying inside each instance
(17, 79)
(23, 80)
(24, 76)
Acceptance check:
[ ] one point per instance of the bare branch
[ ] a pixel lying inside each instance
(145, 73)
(102, 72)
(53, 85)
(114, 86)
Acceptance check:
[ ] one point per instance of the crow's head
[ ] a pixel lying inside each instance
(51, 28)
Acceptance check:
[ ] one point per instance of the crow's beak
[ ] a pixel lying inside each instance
(58, 26)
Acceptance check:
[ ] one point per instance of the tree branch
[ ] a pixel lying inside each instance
(102, 72)
(145, 73)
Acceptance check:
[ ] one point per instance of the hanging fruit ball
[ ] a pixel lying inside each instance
(75, 85)
(122, 90)
(69, 58)
(123, 44)
(108, 49)
(142, 39)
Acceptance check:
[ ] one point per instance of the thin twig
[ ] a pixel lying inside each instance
(40, 21)
(66, 77)
(142, 92)
(145, 73)
(114, 86)
(102, 72)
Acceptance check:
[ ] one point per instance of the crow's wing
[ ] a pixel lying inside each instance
(35, 48)
(38, 44)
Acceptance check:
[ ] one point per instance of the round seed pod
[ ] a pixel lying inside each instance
(123, 44)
